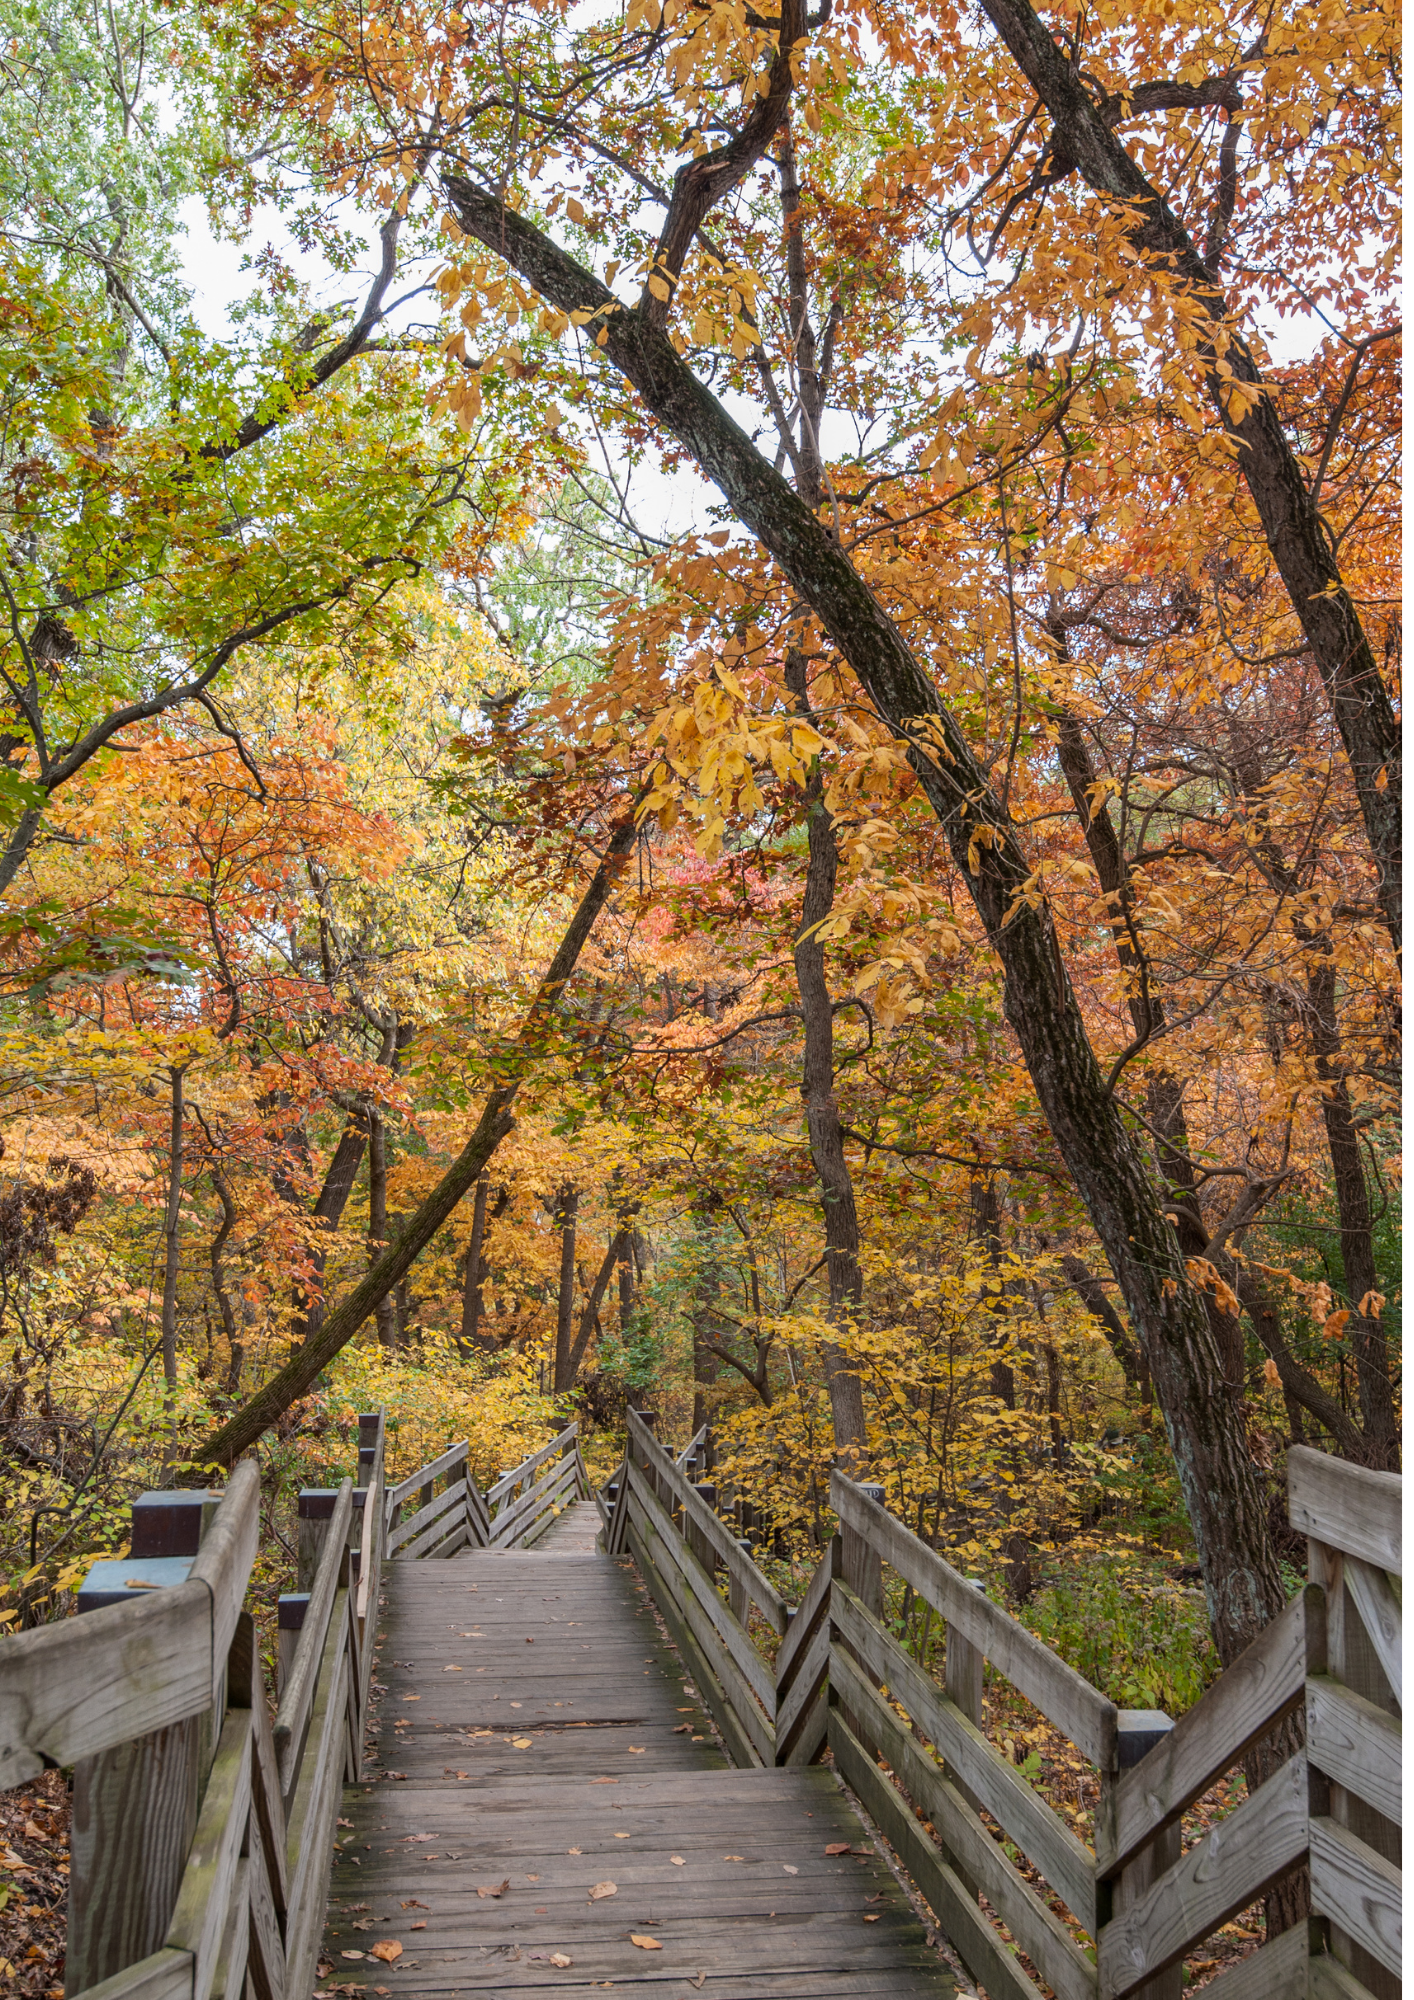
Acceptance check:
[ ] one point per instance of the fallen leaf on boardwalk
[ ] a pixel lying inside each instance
(342, 1822)
(838, 1847)
(420, 1925)
(532, 1878)
(574, 1850)
(602, 1889)
(463, 1774)
(637, 1749)
(387, 1949)
(733, 1857)
(351, 1954)
(872, 1920)
(530, 1642)
(603, 1781)
(520, 1742)
(645, 1943)
(420, 1836)
(623, 1836)
(412, 1697)
(496, 1888)
(451, 1670)
(383, 1991)
(682, 1729)
(561, 1959)
(789, 1870)
(413, 1904)
(699, 1982)
(677, 1860)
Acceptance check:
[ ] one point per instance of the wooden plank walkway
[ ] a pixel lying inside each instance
(537, 1738)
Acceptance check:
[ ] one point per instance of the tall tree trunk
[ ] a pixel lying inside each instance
(473, 1274)
(385, 1313)
(838, 1211)
(566, 1211)
(1357, 1242)
(171, 1230)
(235, 1346)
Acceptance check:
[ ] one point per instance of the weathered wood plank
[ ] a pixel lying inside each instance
(737, 1563)
(671, 1565)
(1279, 1968)
(967, 1930)
(749, 1665)
(1232, 1865)
(163, 1975)
(968, 1847)
(208, 1883)
(450, 1497)
(229, 1982)
(528, 1465)
(513, 1520)
(70, 1691)
(1355, 1743)
(1359, 1888)
(814, 1607)
(810, 1672)
(1379, 1610)
(226, 1557)
(1328, 1979)
(1061, 1694)
(1345, 1505)
(292, 1716)
(740, 1748)
(445, 1521)
(1239, 1708)
(265, 1944)
(975, 1765)
(315, 1806)
(397, 1494)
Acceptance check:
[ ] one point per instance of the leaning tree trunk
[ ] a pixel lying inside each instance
(1211, 1458)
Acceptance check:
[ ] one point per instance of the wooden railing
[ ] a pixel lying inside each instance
(986, 1850)
(202, 1831)
(452, 1513)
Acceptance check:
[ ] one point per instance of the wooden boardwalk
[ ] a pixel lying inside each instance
(536, 1740)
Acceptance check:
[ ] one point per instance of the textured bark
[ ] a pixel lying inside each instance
(1357, 1244)
(1091, 1293)
(385, 1313)
(1215, 1471)
(474, 1273)
(225, 1446)
(235, 1347)
(171, 1231)
(1297, 537)
(567, 1222)
(620, 1247)
(838, 1210)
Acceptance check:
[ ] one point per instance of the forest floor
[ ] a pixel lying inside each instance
(34, 1887)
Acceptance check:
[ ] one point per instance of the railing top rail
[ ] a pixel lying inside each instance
(1348, 1507)
(761, 1589)
(1064, 1696)
(425, 1475)
(527, 1465)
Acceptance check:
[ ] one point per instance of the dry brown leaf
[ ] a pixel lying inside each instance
(838, 1847)
(420, 1925)
(351, 1954)
(388, 1949)
(495, 1889)
(789, 1870)
(645, 1943)
(602, 1889)
(520, 1742)
(412, 1904)
(561, 1959)
(677, 1860)
(574, 1850)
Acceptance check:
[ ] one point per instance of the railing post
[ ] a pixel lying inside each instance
(135, 1806)
(315, 1509)
(696, 1538)
(1140, 1730)
(863, 1566)
(290, 1611)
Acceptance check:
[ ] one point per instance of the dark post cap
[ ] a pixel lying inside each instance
(360, 1494)
(291, 1609)
(171, 1523)
(368, 1423)
(1140, 1731)
(316, 1503)
(871, 1491)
